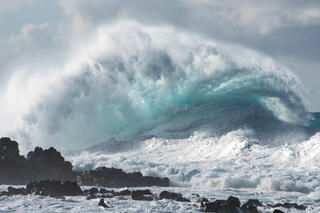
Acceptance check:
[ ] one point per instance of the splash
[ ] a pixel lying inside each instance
(131, 80)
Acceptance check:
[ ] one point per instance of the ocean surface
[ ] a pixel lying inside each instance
(216, 119)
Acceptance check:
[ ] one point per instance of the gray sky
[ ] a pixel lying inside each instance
(286, 30)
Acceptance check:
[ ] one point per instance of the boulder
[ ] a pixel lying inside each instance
(172, 196)
(125, 192)
(142, 195)
(251, 206)
(103, 204)
(231, 205)
(93, 190)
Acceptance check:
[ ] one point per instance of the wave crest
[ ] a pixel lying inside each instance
(132, 80)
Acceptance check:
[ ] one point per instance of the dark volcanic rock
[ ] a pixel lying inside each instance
(251, 206)
(277, 211)
(104, 191)
(3, 193)
(16, 191)
(8, 149)
(54, 188)
(252, 202)
(289, 206)
(93, 191)
(117, 178)
(231, 205)
(49, 164)
(205, 200)
(39, 165)
(173, 196)
(125, 192)
(12, 165)
(141, 195)
(103, 204)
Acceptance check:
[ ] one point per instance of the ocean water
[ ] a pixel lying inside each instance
(215, 118)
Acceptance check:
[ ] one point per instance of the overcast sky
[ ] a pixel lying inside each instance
(43, 31)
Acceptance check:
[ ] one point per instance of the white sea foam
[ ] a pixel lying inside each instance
(230, 161)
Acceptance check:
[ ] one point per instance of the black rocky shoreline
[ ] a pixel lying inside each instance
(46, 173)
(49, 164)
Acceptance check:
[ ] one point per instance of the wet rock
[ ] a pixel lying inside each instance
(54, 188)
(204, 200)
(12, 165)
(93, 191)
(16, 191)
(142, 195)
(173, 196)
(104, 191)
(103, 204)
(49, 164)
(125, 192)
(39, 165)
(251, 206)
(252, 202)
(289, 206)
(233, 201)
(4, 193)
(117, 178)
(91, 196)
(231, 205)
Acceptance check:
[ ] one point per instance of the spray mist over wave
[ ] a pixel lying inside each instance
(131, 80)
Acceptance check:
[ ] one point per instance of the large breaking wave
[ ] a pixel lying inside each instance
(131, 81)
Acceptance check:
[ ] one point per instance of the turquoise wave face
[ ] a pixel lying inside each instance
(154, 86)
(315, 122)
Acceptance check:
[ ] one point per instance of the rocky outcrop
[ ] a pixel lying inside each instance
(12, 164)
(39, 165)
(117, 178)
(49, 164)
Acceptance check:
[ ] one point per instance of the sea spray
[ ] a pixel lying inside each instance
(131, 81)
